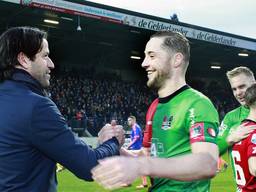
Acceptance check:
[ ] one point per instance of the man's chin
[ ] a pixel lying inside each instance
(45, 84)
(152, 85)
(242, 103)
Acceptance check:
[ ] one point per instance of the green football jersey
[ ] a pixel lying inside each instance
(185, 117)
(231, 120)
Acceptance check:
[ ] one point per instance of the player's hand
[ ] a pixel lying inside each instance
(131, 153)
(108, 131)
(240, 133)
(113, 172)
(119, 134)
(145, 151)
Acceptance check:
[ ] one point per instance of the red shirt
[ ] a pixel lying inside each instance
(240, 154)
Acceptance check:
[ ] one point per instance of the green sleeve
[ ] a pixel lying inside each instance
(204, 115)
(223, 134)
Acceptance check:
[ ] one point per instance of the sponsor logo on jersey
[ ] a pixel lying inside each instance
(253, 139)
(192, 116)
(211, 132)
(167, 122)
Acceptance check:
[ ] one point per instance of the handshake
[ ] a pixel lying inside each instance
(112, 130)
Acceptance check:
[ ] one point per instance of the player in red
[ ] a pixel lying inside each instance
(244, 152)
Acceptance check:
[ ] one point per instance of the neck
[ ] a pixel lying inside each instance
(170, 86)
(252, 114)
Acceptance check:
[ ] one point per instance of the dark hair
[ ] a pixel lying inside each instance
(250, 95)
(175, 42)
(15, 40)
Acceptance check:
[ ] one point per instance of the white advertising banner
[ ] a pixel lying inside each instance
(135, 21)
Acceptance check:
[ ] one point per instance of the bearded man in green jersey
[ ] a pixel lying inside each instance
(184, 127)
(231, 130)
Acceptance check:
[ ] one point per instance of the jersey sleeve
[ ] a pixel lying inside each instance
(251, 151)
(203, 122)
(223, 134)
(50, 134)
(137, 132)
(148, 129)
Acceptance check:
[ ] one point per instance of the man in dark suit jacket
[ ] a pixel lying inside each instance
(33, 133)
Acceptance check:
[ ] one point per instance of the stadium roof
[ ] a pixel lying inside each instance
(110, 35)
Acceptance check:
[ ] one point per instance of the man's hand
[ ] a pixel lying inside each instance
(112, 172)
(108, 131)
(119, 134)
(240, 133)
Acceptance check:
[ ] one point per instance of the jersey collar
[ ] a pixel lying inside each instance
(169, 97)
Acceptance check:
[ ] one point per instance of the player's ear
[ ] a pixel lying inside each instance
(23, 60)
(178, 59)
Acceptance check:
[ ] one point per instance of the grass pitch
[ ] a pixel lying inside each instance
(223, 182)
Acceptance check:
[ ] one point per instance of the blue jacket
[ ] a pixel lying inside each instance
(34, 136)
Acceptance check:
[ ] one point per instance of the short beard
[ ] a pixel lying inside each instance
(157, 82)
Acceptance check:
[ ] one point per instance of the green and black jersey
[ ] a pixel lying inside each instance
(184, 117)
(230, 122)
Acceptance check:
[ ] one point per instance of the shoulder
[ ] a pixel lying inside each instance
(45, 104)
(198, 99)
(235, 111)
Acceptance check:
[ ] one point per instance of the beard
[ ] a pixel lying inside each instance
(158, 80)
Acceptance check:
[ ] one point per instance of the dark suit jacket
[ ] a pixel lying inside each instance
(34, 136)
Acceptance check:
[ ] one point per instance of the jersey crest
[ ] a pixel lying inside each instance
(167, 122)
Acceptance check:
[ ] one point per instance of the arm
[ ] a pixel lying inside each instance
(239, 133)
(222, 136)
(129, 153)
(252, 165)
(201, 164)
(231, 132)
(50, 134)
(251, 153)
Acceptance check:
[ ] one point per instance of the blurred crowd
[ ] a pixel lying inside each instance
(90, 103)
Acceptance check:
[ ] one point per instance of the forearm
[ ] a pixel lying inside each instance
(252, 165)
(223, 145)
(183, 168)
(128, 153)
(107, 149)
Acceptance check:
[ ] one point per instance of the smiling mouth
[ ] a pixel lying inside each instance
(150, 73)
(241, 99)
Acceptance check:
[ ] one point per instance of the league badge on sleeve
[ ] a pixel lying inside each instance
(197, 132)
(203, 132)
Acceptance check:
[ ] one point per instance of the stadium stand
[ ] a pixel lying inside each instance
(89, 103)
